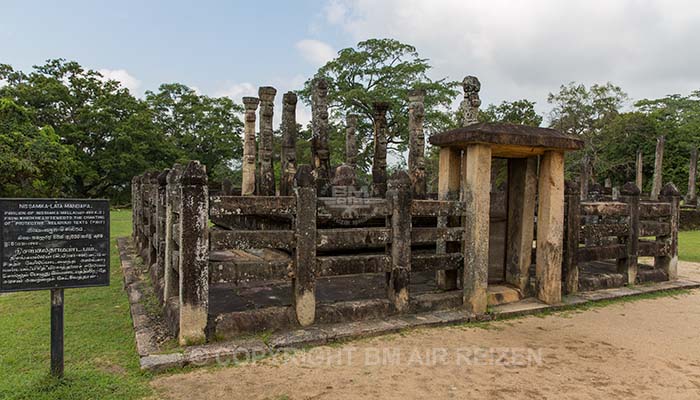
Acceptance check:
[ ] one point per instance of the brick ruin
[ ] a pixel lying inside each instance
(311, 247)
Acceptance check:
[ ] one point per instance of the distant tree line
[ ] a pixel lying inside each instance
(66, 131)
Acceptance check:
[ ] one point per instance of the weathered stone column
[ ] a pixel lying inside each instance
(289, 143)
(522, 190)
(572, 231)
(194, 254)
(399, 197)
(151, 214)
(351, 141)
(134, 208)
(319, 143)
(416, 153)
(639, 172)
(380, 150)
(450, 165)
(304, 281)
(172, 207)
(160, 234)
(691, 198)
(266, 185)
(550, 227)
(248, 168)
(585, 177)
(469, 107)
(226, 187)
(658, 169)
(628, 265)
(669, 262)
(476, 194)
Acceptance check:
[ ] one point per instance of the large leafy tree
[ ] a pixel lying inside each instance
(111, 132)
(203, 128)
(33, 162)
(583, 112)
(381, 70)
(514, 112)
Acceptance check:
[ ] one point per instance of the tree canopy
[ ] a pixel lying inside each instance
(381, 70)
(113, 135)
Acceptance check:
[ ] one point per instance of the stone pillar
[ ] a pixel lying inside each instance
(550, 227)
(226, 187)
(628, 265)
(691, 198)
(399, 197)
(351, 141)
(194, 254)
(160, 233)
(522, 191)
(585, 177)
(380, 150)
(476, 188)
(469, 107)
(248, 168)
(669, 262)
(266, 184)
(304, 281)
(134, 208)
(416, 152)
(319, 142)
(658, 169)
(289, 143)
(639, 173)
(172, 193)
(450, 165)
(571, 237)
(151, 200)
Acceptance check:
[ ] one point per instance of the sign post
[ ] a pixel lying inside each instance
(53, 244)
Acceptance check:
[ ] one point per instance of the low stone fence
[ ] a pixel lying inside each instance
(621, 230)
(193, 242)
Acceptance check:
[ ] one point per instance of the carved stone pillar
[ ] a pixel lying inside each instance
(380, 144)
(416, 153)
(351, 141)
(266, 186)
(289, 143)
(319, 144)
(248, 168)
(469, 107)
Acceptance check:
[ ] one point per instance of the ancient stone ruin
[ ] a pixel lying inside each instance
(314, 248)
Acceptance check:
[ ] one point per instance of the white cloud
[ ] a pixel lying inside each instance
(315, 51)
(122, 76)
(527, 49)
(237, 91)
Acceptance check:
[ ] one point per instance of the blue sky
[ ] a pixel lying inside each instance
(519, 49)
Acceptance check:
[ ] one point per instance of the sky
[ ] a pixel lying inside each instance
(518, 49)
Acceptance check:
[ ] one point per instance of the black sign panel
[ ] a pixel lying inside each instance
(53, 243)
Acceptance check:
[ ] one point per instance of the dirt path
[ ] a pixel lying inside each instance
(648, 349)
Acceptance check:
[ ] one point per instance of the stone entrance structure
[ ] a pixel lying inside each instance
(465, 168)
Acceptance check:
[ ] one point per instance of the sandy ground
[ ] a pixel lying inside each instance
(648, 349)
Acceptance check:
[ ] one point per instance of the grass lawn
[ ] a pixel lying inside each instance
(101, 359)
(689, 246)
(100, 353)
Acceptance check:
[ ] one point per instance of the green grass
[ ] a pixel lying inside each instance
(689, 246)
(100, 354)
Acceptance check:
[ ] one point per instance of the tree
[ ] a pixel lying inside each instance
(380, 70)
(203, 128)
(583, 112)
(515, 112)
(33, 162)
(110, 131)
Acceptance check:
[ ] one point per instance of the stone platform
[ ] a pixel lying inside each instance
(244, 349)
